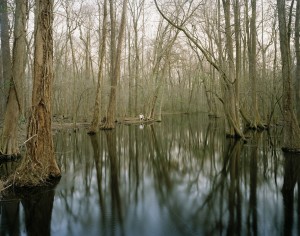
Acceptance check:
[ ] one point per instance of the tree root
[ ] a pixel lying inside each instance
(31, 174)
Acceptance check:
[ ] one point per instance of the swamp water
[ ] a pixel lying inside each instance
(178, 177)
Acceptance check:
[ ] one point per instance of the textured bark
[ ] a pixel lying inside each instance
(297, 50)
(115, 62)
(255, 116)
(136, 9)
(291, 131)
(5, 53)
(97, 107)
(39, 163)
(231, 106)
(9, 144)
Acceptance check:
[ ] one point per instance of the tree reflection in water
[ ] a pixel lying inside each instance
(9, 208)
(178, 177)
(37, 208)
(291, 178)
(38, 211)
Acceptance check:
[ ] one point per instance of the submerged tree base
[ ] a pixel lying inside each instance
(235, 136)
(257, 127)
(91, 132)
(291, 150)
(13, 191)
(31, 174)
(7, 158)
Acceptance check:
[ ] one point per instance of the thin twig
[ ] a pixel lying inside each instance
(29, 139)
(5, 188)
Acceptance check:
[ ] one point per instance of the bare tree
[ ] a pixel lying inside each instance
(39, 163)
(297, 49)
(102, 49)
(164, 42)
(115, 62)
(291, 131)
(5, 55)
(136, 10)
(254, 120)
(8, 144)
(229, 100)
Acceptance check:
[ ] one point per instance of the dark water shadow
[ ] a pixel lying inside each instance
(10, 222)
(9, 205)
(291, 179)
(38, 211)
(37, 206)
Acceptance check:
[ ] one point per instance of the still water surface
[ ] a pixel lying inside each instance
(178, 177)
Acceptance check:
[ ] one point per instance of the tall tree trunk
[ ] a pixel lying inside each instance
(255, 117)
(9, 144)
(115, 57)
(231, 105)
(297, 49)
(5, 53)
(238, 57)
(102, 48)
(39, 163)
(136, 8)
(291, 131)
(130, 75)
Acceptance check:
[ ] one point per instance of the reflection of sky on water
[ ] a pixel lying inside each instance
(167, 180)
(177, 189)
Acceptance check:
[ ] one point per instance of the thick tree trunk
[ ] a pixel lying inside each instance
(9, 144)
(255, 119)
(39, 163)
(102, 47)
(291, 131)
(5, 53)
(297, 50)
(231, 106)
(115, 63)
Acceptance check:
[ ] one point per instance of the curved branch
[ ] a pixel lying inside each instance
(194, 41)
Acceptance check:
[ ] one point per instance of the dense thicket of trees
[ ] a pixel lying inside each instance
(236, 59)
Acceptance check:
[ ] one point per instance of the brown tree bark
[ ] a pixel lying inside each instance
(115, 63)
(231, 106)
(136, 9)
(297, 50)
(254, 120)
(5, 53)
(9, 144)
(39, 163)
(291, 131)
(102, 48)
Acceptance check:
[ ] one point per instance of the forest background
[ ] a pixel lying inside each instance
(220, 57)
